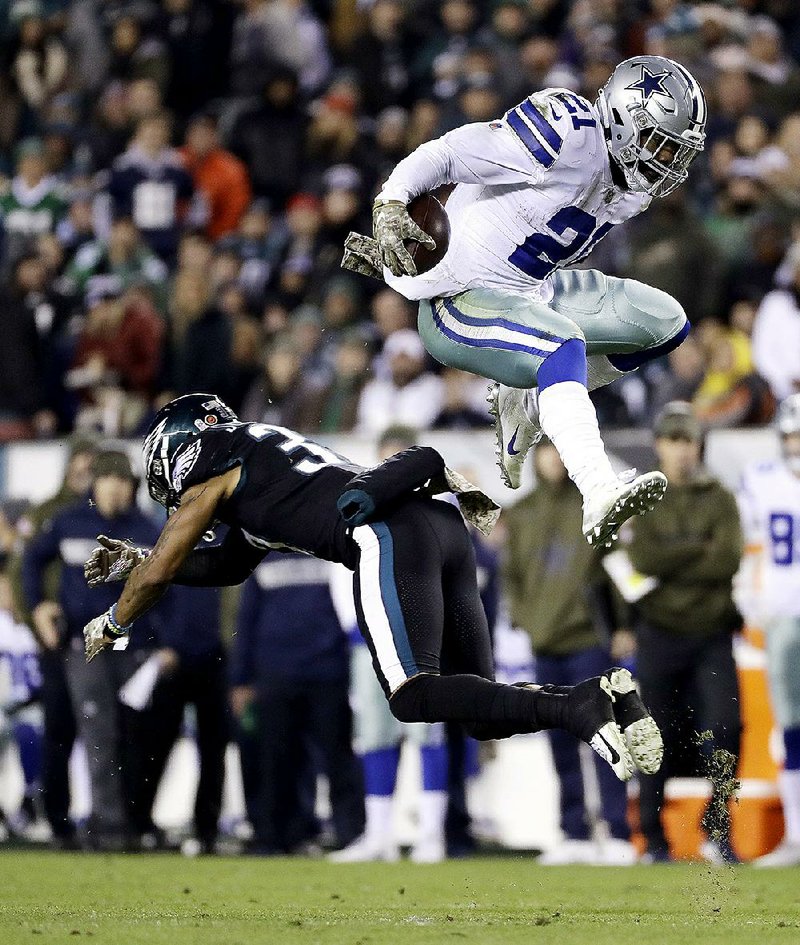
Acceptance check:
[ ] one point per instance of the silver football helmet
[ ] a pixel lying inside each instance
(654, 115)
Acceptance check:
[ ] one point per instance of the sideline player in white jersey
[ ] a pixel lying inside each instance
(528, 195)
(769, 500)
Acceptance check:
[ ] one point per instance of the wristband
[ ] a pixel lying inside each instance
(115, 628)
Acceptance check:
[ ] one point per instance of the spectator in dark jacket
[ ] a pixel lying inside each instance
(270, 138)
(112, 730)
(27, 321)
(150, 185)
(193, 672)
(691, 543)
(289, 661)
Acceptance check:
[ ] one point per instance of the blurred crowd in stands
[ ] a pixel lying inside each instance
(178, 178)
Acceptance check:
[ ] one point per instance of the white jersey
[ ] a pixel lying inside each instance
(769, 502)
(19, 662)
(534, 193)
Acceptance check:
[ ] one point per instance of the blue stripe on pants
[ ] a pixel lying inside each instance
(498, 322)
(483, 342)
(391, 600)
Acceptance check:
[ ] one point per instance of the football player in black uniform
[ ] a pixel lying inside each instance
(415, 583)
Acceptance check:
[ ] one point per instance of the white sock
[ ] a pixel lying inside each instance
(789, 787)
(432, 809)
(600, 371)
(379, 819)
(568, 419)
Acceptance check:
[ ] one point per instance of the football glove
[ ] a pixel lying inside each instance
(362, 255)
(391, 224)
(112, 561)
(102, 632)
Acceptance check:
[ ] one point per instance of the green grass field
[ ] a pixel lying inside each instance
(118, 900)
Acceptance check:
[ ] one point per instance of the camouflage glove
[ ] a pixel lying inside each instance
(102, 632)
(476, 507)
(112, 561)
(391, 224)
(362, 255)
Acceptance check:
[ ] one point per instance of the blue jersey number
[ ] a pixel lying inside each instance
(577, 109)
(541, 254)
(781, 536)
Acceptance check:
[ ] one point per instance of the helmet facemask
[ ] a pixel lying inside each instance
(658, 161)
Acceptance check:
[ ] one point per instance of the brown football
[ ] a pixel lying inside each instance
(430, 216)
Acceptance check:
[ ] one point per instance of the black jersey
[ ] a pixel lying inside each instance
(286, 496)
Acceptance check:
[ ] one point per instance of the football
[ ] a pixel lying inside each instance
(429, 215)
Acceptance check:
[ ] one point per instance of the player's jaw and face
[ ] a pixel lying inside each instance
(668, 164)
(678, 457)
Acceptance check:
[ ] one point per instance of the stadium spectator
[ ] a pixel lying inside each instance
(124, 255)
(290, 661)
(409, 395)
(776, 334)
(32, 205)
(149, 184)
(331, 403)
(38, 59)
(192, 672)
(383, 57)
(47, 624)
(218, 175)
(558, 593)
(270, 138)
(113, 731)
(691, 543)
(117, 356)
(28, 323)
(464, 402)
(197, 36)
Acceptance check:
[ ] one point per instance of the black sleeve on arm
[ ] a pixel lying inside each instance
(229, 563)
(395, 477)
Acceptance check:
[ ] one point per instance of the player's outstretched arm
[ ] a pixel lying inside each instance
(149, 580)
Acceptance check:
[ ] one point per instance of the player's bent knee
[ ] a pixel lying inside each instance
(662, 315)
(661, 321)
(408, 703)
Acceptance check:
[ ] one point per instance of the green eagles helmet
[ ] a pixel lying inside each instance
(172, 428)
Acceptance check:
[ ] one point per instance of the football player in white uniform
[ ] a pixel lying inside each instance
(769, 500)
(526, 196)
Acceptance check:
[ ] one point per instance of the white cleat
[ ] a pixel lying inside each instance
(641, 732)
(516, 429)
(428, 851)
(569, 853)
(614, 851)
(610, 744)
(605, 511)
(366, 850)
(785, 854)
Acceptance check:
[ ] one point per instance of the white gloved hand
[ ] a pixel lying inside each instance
(112, 561)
